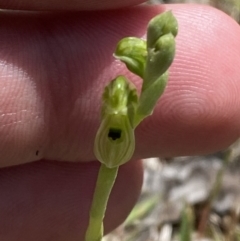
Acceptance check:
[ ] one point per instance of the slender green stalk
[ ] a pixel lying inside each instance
(187, 222)
(105, 181)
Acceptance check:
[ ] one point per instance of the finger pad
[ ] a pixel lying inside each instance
(51, 200)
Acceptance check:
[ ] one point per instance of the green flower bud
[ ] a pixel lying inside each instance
(160, 25)
(160, 53)
(159, 59)
(115, 142)
(133, 52)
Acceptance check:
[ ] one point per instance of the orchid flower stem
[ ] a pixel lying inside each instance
(105, 181)
(123, 109)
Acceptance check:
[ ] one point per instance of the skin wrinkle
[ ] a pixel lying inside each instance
(22, 113)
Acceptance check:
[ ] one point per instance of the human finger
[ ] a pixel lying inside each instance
(66, 5)
(51, 200)
(54, 68)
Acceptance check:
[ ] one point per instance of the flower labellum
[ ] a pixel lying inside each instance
(114, 143)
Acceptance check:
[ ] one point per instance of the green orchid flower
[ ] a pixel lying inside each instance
(115, 140)
(123, 110)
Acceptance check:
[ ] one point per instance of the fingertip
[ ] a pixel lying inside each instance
(199, 112)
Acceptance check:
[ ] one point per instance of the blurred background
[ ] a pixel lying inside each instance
(188, 198)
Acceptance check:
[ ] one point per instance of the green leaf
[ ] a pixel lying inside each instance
(187, 222)
(142, 209)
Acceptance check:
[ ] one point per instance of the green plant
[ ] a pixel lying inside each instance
(187, 223)
(122, 108)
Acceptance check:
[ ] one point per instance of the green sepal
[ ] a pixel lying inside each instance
(133, 52)
(120, 97)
